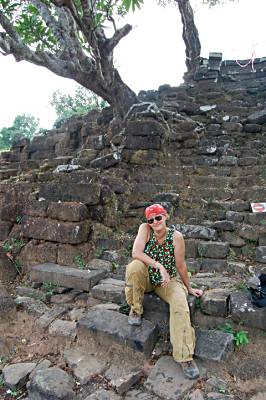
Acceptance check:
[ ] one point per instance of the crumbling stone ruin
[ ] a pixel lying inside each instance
(71, 201)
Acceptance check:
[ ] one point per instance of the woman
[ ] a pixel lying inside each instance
(159, 256)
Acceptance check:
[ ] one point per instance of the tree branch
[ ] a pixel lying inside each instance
(117, 36)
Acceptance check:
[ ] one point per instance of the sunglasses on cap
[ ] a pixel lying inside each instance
(157, 218)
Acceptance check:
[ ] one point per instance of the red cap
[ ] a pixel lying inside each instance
(154, 209)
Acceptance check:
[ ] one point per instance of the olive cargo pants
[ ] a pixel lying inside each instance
(182, 334)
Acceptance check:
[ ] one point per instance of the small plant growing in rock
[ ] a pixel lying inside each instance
(49, 287)
(19, 219)
(99, 252)
(242, 286)
(79, 261)
(240, 337)
(13, 244)
(2, 382)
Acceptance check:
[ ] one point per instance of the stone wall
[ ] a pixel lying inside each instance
(199, 148)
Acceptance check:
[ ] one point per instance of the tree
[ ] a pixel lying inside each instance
(82, 102)
(24, 125)
(68, 38)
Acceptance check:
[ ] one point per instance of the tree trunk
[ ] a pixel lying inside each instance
(190, 36)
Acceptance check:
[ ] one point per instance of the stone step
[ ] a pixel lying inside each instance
(109, 327)
(213, 344)
(110, 290)
(66, 276)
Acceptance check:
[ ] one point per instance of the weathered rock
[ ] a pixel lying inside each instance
(42, 365)
(261, 254)
(215, 302)
(213, 249)
(109, 326)
(32, 306)
(224, 225)
(196, 232)
(258, 117)
(84, 365)
(51, 383)
(242, 310)
(248, 232)
(219, 396)
(16, 375)
(109, 290)
(69, 211)
(52, 230)
(37, 253)
(140, 395)
(86, 193)
(66, 297)
(106, 161)
(211, 264)
(228, 161)
(252, 128)
(122, 379)
(143, 142)
(213, 345)
(36, 208)
(5, 228)
(61, 327)
(97, 263)
(7, 304)
(25, 291)
(103, 394)
(8, 270)
(66, 276)
(167, 380)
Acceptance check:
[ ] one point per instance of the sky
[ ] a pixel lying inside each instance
(152, 54)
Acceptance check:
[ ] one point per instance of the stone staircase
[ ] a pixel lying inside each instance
(71, 194)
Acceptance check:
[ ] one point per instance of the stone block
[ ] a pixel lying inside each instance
(215, 302)
(109, 326)
(8, 270)
(110, 290)
(60, 327)
(74, 255)
(248, 232)
(242, 310)
(229, 161)
(36, 208)
(31, 306)
(224, 225)
(74, 212)
(86, 193)
(252, 128)
(5, 228)
(144, 128)
(212, 264)
(85, 366)
(213, 345)
(143, 142)
(167, 380)
(122, 377)
(55, 231)
(10, 212)
(25, 291)
(105, 161)
(261, 254)
(213, 249)
(196, 232)
(233, 239)
(51, 383)
(16, 375)
(102, 394)
(97, 263)
(234, 216)
(38, 253)
(66, 276)
(7, 304)
(258, 117)
(50, 315)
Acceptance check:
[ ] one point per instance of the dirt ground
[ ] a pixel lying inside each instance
(244, 371)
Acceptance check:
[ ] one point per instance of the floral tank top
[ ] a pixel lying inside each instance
(164, 254)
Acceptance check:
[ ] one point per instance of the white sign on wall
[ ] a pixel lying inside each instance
(258, 207)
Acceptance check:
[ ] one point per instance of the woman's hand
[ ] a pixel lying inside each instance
(195, 292)
(165, 277)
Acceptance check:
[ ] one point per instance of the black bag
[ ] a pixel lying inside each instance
(258, 292)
